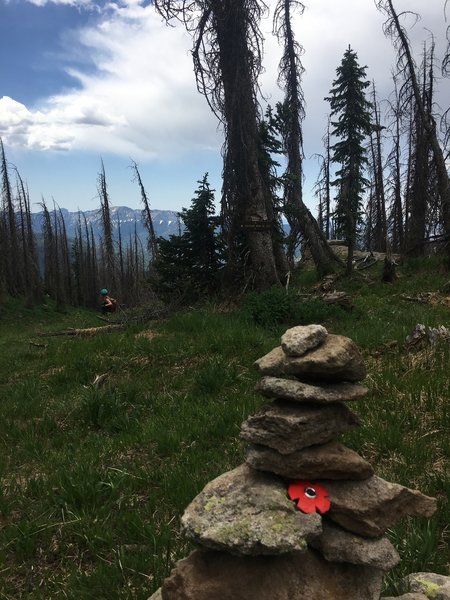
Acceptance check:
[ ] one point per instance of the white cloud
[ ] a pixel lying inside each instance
(79, 3)
(140, 100)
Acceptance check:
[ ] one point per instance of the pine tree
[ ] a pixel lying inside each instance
(190, 264)
(349, 104)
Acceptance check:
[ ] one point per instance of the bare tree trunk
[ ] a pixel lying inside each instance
(12, 259)
(249, 192)
(428, 121)
(380, 224)
(108, 249)
(148, 221)
(300, 218)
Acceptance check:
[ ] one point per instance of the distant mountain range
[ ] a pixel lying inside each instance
(165, 222)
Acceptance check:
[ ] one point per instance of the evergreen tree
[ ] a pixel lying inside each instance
(349, 104)
(190, 264)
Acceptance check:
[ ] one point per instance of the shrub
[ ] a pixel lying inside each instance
(276, 307)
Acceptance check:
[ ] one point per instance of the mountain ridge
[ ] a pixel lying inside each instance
(165, 222)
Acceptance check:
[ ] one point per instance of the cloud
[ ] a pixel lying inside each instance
(78, 3)
(140, 98)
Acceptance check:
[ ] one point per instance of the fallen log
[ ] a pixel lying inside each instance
(340, 298)
(88, 331)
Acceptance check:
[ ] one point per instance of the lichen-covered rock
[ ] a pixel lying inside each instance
(298, 340)
(338, 545)
(370, 507)
(336, 359)
(288, 427)
(305, 576)
(431, 585)
(297, 391)
(246, 512)
(327, 461)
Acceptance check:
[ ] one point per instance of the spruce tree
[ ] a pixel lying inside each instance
(190, 264)
(352, 110)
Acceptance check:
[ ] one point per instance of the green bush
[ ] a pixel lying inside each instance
(277, 307)
(269, 308)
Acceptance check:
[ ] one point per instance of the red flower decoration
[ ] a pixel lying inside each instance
(311, 497)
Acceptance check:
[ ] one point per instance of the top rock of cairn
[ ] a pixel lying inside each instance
(311, 353)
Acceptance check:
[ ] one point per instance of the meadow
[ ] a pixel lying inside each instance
(105, 439)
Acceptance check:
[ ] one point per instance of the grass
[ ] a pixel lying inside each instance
(95, 477)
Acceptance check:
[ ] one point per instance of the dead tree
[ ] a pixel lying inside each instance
(227, 62)
(397, 33)
(108, 254)
(147, 215)
(11, 257)
(300, 219)
(394, 181)
(379, 206)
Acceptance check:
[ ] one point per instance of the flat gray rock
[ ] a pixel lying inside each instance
(298, 340)
(370, 507)
(157, 595)
(336, 359)
(288, 427)
(328, 461)
(248, 513)
(431, 585)
(297, 391)
(294, 576)
(406, 597)
(338, 545)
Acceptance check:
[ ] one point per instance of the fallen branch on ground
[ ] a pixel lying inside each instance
(89, 331)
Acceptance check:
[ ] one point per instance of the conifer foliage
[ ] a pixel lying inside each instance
(349, 104)
(190, 263)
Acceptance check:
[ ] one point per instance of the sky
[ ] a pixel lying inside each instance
(83, 81)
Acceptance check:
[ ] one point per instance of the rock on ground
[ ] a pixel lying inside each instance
(431, 585)
(406, 597)
(288, 427)
(220, 576)
(248, 513)
(336, 359)
(297, 391)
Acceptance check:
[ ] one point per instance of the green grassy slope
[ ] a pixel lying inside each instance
(94, 476)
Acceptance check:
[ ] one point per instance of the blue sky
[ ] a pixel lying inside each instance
(82, 80)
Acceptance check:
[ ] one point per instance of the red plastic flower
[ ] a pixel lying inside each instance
(311, 497)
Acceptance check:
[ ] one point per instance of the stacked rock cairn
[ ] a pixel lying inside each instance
(254, 542)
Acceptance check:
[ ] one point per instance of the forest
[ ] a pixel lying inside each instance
(383, 184)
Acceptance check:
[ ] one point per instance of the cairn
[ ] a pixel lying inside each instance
(305, 516)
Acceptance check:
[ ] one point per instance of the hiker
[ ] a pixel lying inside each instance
(109, 304)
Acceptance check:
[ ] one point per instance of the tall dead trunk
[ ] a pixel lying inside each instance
(109, 265)
(148, 221)
(380, 228)
(394, 29)
(14, 278)
(227, 61)
(253, 202)
(300, 219)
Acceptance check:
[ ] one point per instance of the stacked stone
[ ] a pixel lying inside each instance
(254, 543)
